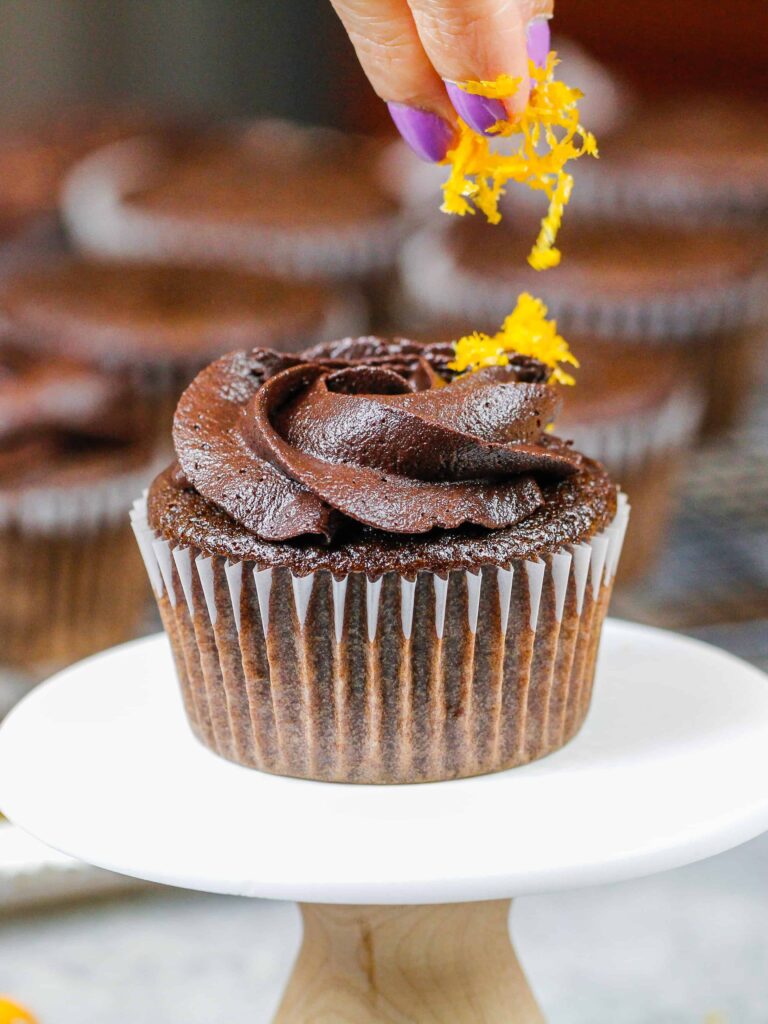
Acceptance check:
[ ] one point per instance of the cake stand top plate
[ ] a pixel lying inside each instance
(670, 767)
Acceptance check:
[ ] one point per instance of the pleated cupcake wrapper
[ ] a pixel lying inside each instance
(67, 593)
(638, 196)
(73, 509)
(396, 679)
(625, 443)
(440, 289)
(71, 583)
(101, 222)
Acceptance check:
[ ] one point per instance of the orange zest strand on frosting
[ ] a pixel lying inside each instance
(551, 136)
(12, 1013)
(525, 332)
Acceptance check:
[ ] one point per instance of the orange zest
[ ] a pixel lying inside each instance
(550, 136)
(526, 332)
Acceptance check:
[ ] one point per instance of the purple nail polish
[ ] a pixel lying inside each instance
(479, 112)
(429, 135)
(538, 39)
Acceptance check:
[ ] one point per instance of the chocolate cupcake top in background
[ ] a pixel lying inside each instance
(61, 423)
(703, 160)
(140, 314)
(301, 201)
(632, 408)
(36, 155)
(629, 280)
(373, 456)
(611, 388)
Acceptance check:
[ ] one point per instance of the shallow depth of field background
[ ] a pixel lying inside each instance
(673, 948)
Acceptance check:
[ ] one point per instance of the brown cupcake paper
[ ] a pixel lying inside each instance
(438, 289)
(70, 581)
(394, 680)
(102, 223)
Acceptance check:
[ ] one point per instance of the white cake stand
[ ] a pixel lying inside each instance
(404, 890)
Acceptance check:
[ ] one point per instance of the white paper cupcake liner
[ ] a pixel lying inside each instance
(73, 509)
(438, 288)
(397, 679)
(641, 195)
(102, 223)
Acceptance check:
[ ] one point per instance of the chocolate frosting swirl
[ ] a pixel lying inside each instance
(370, 433)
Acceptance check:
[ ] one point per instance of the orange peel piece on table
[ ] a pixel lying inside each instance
(526, 332)
(551, 135)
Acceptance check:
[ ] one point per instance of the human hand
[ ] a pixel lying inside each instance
(417, 53)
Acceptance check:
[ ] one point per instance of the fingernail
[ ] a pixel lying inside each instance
(538, 39)
(429, 135)
(479, 112)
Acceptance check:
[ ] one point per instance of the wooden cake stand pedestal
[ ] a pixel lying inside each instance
(404, 890)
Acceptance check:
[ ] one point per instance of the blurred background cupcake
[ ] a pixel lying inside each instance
(153, 326)
(36, 153)
(702, 161)
(70, 463)
(302, 203)
(639, 415)
(700, 291)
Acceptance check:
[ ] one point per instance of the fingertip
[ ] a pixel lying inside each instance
(515, 105)
(538, 41)
(429, 135)
(479, 112)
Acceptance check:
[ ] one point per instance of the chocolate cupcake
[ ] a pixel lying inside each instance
(70, 582)
(37, 153)
(700, 160)
(25, 242)
(637, 412)
(155, 326)
(303, 203)
(701, 292)
(370, 571)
